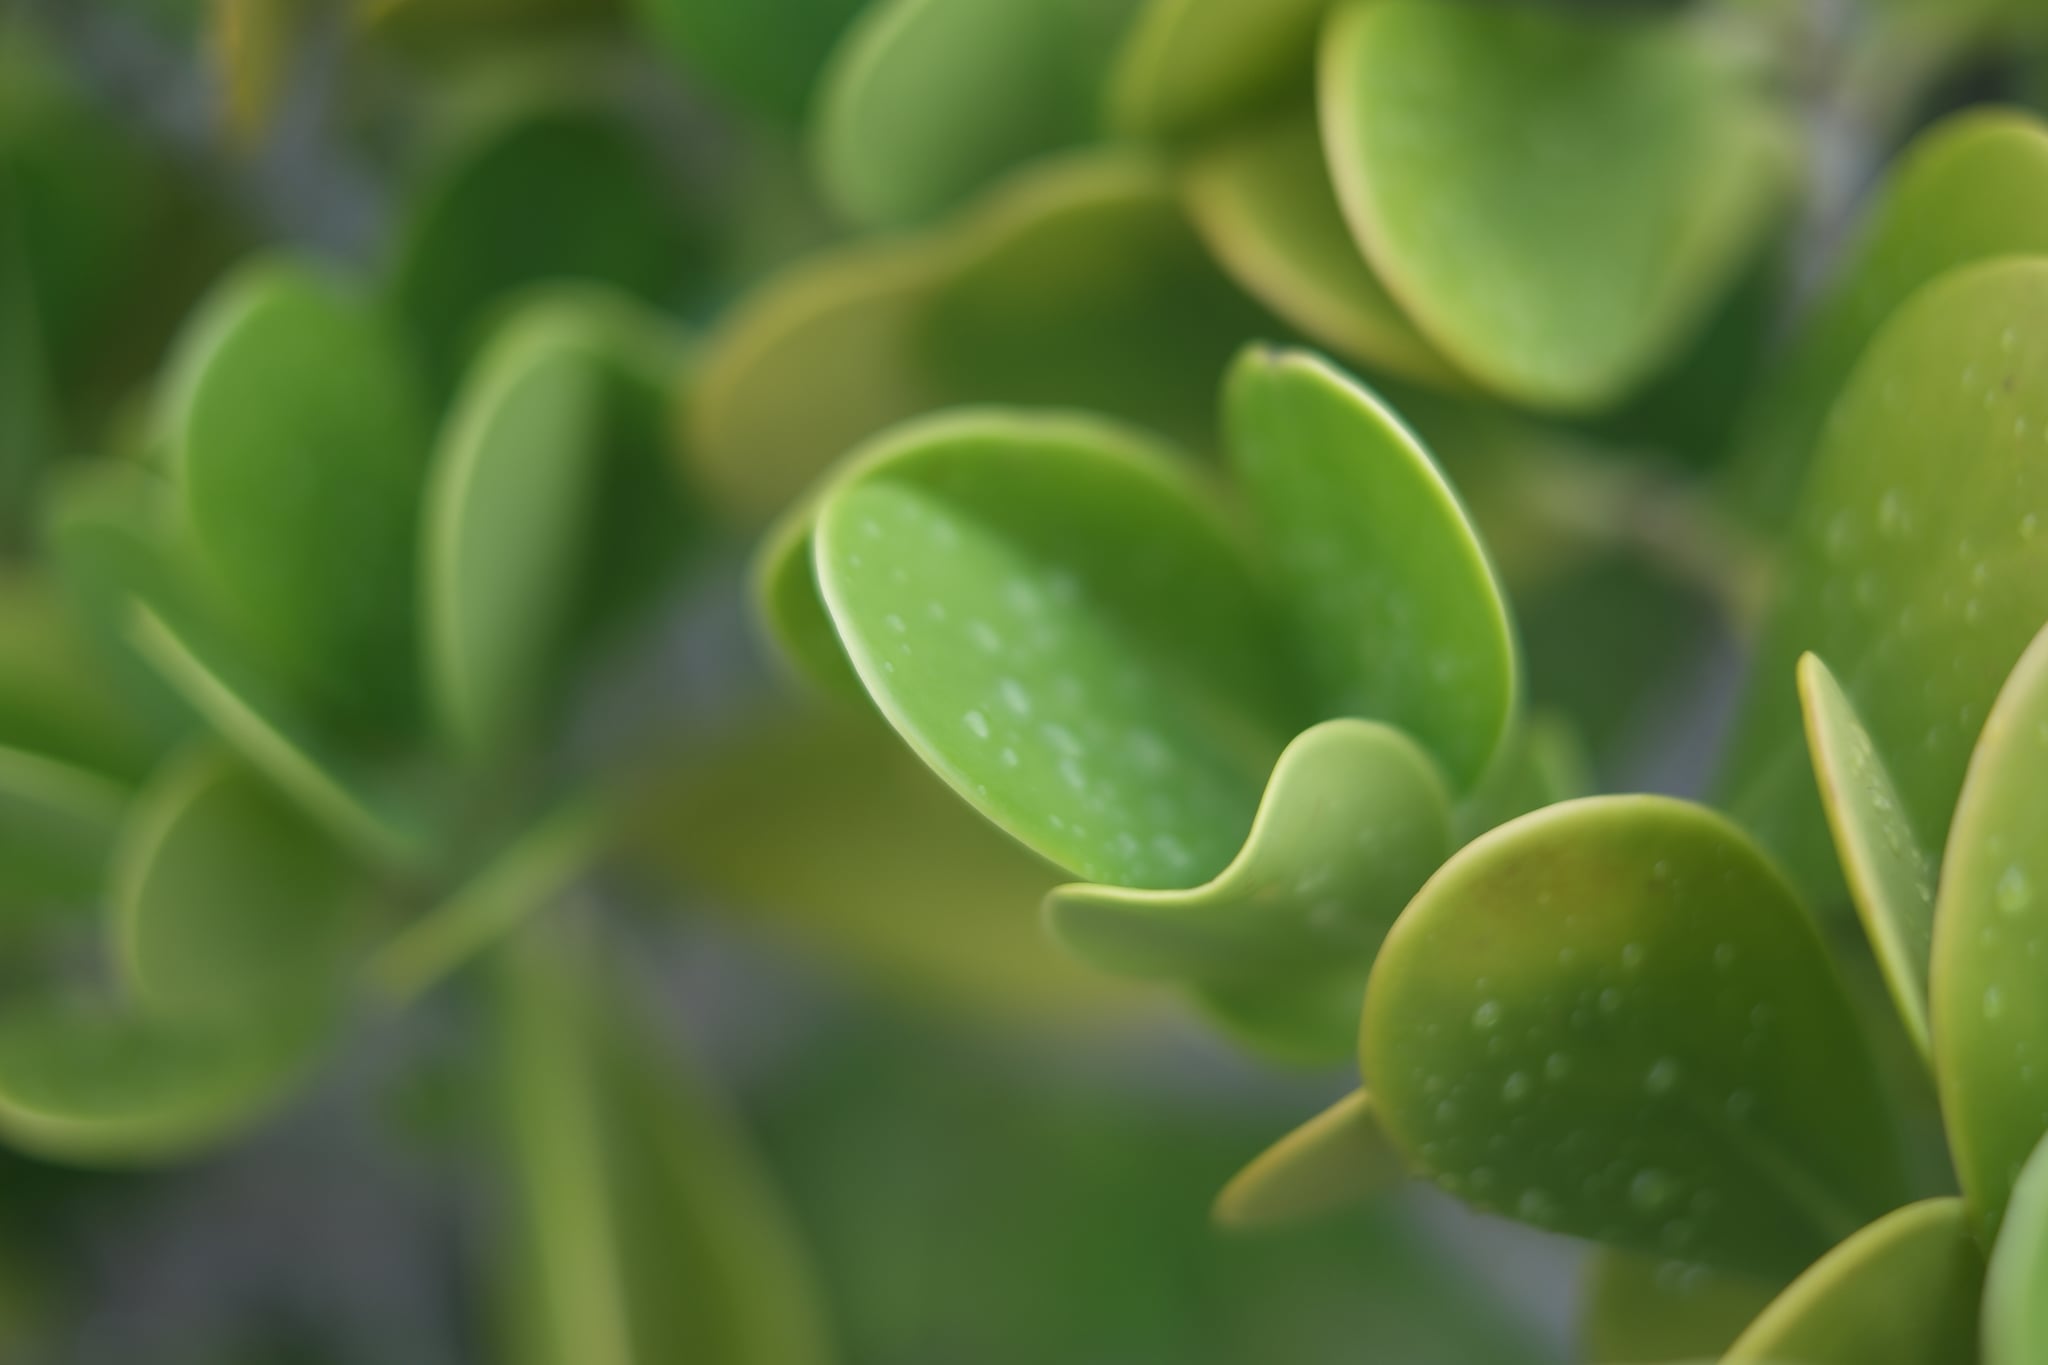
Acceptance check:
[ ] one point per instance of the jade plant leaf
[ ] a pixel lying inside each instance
(87, 1083)
(57, 827)
(1337, 1158)
(1990, 1020)
(786, 601)
(1186, 65)
(1094, 663)
(1613, 1018)
(1889, 869)
(2015, 1311)
(300, 447)
(763, 54)
(228, 900)
(1354, 820)
(54, 700)
(1649, 1308)
(1892, 558)
(1902, 1291)
(1392, 598)
(1972, 187)
(925, 100)
(1556, 197)
(1261, 197)
(642, 1229)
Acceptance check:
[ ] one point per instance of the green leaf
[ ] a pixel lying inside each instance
(54, 699)
(1395, 606)
(1894, 561)
(1902, 1291)
(1972, 187)
(553, 190)
(1186, 65)
(1556, 198)
(1890, 871)
(1261, 197)
(1337, 1158)
(786, 601)
(2015, 1312)
(1645, 1308)
(1990, 1020)
(1354, 820)
(57, 825)
(1056, 617)
(85, 1083)
(300, 447)
(643, 1230)
(1542, 762)
(226, 900)
(1612, 1018)
(926, 100)
(762, 54)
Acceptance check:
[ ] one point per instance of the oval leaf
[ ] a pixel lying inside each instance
(57, 827)
(1612, 1018)
(2015, 1310)
(1189, 64)
(1337, 1158)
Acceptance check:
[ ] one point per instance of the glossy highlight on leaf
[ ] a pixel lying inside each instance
(1612, 1018)
(2015, 1310)
(1337, 1158)
(1902, 1291)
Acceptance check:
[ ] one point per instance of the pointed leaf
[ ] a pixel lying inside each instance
(1890, 871)
(1612, 1018)
(1393, 601)
(1056, 617)
(1556, 197)
(1186, 65)
(1647, 1308)
(2015, 1310)
(1902, 1291)
(1337, 1158)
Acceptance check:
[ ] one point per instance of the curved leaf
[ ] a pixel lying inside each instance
(1556, 198)
(1188, 64)
(1990, 1019)
(1894, 559)
(1612, 1018)
(2015, 1311)
(57, 826)
(764, 54)
(1542, 762)
(786, 601)
(1337, 1158)
(1395, 606)
(1261, 198)
(1056, 618)
(1902, 1291)
(54, 699)
(1890, 872)
(300, 447)
(1647, 1308)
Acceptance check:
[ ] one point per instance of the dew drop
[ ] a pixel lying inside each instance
(1651, 1190)
(1631, 956)
(978, 723)
(1994, 1002)
(1486, 1016)
(1535, 1206)
(2014, 893)
(1516, 1087)
(1662, 1077)
(1557, 1066)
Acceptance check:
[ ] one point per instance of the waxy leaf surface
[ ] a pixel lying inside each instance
(2015, 1309)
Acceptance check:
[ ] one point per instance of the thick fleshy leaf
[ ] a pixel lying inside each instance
(926, 100)
(1189, 64)
(1894, 560)
(559, 190)
(642, 1229)
(1337, 1158)
(1613, 1018)
(1394, 605)
(57, 827)
(1261, 197)
(1354, 820)
(1989, 1013)
(2015, 1310)
(785, 592)
(1640, 1309)
(1889, 869)
(228, 901)
(54, 700)
(1556, 197)
(300, 447)
(83, 1082)
(1972, 187)
(763, 54)
(1055, 615)
(1902, 1291)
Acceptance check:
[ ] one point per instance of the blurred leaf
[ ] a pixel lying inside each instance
(1892, 558)
(786, 601)
(1557, 198)
(253, 43)
(1094, 665)
(1889, 869)
(1189, 64)
(57, 825)
(1394, 603)
(1541, 763)
(1612, 1018)
(1644, 1308)
(2015, 1312)
(924, 101)
(226, 901)
(53, 697)
(29, 419)
(641, 1227)
(1337, 1158)
(763, 54)
(1972, 187)
(1260, 195)
(1354, 820)
(1902, 1291)
(300, 449)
